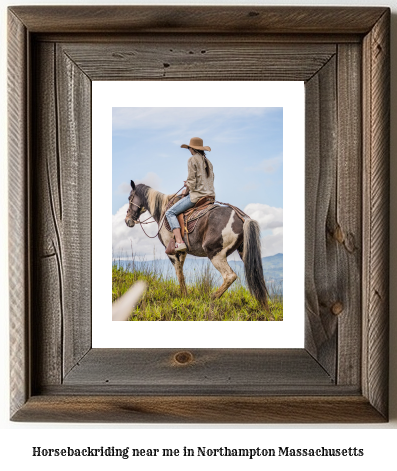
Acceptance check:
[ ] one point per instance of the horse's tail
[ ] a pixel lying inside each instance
(253, 262)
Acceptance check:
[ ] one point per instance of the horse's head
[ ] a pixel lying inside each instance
(135, 206)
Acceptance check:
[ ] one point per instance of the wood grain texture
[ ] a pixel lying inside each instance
(346, 260)
(62, 208)
(198, 19)
(48, 283)
(208, 389)
(376, 94)
(215, 59)
(73, 90)
(321, 280)
(19, 215)
(231, 370)
(199, 409)
(131, 37)
(346, 227)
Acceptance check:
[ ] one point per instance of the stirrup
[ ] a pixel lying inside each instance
(180, 247)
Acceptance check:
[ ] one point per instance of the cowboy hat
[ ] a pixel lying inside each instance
(196, 143)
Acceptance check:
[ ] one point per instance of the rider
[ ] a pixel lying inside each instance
(199, 183)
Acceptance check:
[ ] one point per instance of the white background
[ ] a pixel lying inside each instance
(286, 334)
(378, 441)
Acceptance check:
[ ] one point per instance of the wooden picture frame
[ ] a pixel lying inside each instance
(342, 54)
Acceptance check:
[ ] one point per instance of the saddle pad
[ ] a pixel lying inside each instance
(191, 217)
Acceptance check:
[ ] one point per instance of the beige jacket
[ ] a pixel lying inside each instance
(197, 181)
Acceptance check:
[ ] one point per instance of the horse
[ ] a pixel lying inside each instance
(217, 234)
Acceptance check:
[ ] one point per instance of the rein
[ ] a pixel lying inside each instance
(238, 211)
(160, 223)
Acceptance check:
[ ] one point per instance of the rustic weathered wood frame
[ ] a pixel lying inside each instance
(343, 56)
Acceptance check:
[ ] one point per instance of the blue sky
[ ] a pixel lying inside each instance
(246, 152)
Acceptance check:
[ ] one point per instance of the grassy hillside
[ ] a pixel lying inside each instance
(163, 302)
(272, 268)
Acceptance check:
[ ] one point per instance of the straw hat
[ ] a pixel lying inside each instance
(196, 143)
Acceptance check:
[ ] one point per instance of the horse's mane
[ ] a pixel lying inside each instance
(155, 200)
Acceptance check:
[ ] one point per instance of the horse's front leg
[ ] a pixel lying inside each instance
(178, 261)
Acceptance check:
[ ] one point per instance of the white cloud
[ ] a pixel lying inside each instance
(126, 240)
(269, 218)
(124, 188)
(272, 244)
(151, 179)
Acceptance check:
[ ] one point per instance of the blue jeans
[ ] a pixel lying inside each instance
(179, 207)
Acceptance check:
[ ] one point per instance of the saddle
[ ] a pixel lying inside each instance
(189, 218)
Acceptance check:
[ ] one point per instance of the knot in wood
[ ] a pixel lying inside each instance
(337, 308)
(338, 235)
(183, 358)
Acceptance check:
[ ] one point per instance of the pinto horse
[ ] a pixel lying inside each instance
(217, 235)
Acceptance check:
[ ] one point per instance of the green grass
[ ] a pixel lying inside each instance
(162, 300)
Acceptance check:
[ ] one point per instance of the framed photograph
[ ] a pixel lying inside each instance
(257, 152)
(340, 371)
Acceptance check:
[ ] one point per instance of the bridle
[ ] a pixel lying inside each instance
(138, 213)
(131, 202)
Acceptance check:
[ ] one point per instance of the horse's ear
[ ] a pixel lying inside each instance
(132, 185)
